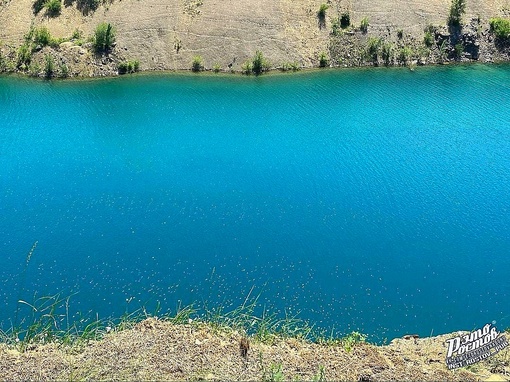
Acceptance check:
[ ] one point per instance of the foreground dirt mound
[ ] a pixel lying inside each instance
(156, 350)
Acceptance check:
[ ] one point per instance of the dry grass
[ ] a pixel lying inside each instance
(159, 350)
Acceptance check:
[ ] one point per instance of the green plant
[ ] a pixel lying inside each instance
(130, 66)
(323, 60)
(387, 53)
(400, 34)
(197, 64)
(457, 9)
(259, 63)
(428, 39)
(216, 68)
(104, 37)
(405, 54)
(53, 7)
(364, 24)
(294, 66)
(352, 339)
(77, 34)
(274, 374)
(49, 66)
(372, 48)
(321, 13)
(24, 56)
(41, 36)
(458, 50)
(500, 27)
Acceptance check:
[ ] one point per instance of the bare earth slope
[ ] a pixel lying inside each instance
(167, 34)
(156, 350)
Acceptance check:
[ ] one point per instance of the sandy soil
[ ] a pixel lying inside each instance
(157, 350)
(168, 34)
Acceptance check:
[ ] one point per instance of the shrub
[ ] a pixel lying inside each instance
(387, 53)
(259, 64)
(77, 34)
(501, 28)
(130, 66)
(197, 64)
(247, 67)
(321, 13)
(345, 20)
(400, 33)
(104, 37)
(216, 68)
(372, 49)
(323, 60)
(53, 7)
(405, 54)
(24, 55)
(49, 66)
(428, 39)
(294, 66)
(459, 49)
(364, 24)
(457, 9)
(41, 36)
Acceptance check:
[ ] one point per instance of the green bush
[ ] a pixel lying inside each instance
(400, 34)
(323, 60)
(49, 66)
(41, 36)
(259, 63)
(405, 54)
(216, 68)
(364, 24)
(321, 13)
(24, 55)
(501, 28)
(130, 66)
(372, 48)
(457, 9)
(428, 39)
(104, 37)
(53, 7)
(197, 65)
(387, 53)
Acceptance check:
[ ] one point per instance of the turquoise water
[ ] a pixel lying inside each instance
(371, 200)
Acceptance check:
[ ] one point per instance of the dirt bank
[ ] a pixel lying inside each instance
(158, 350)
(167, 35)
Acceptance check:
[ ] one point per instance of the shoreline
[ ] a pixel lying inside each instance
(181, 348)
(209, 73)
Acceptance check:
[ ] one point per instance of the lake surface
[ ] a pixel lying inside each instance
(370, 200)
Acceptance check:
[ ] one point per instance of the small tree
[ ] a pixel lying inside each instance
(197, 64)
(323, 60)
(259, 63)
(457, 9)
(104, 37)
(345, 20)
